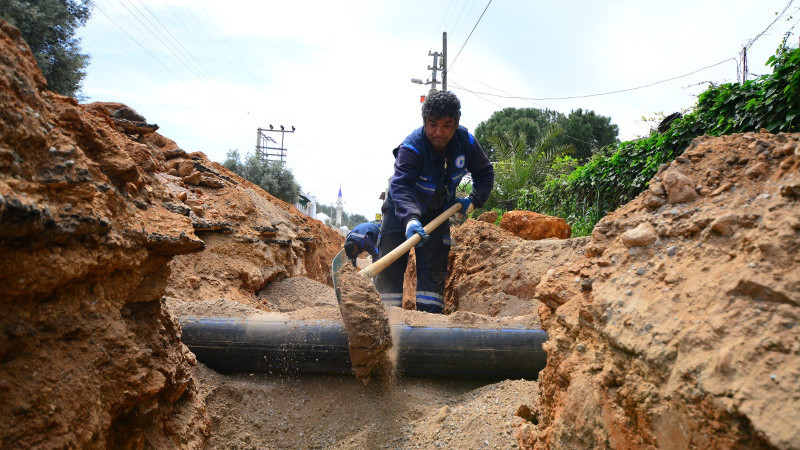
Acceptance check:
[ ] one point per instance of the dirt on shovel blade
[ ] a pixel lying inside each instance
(367, 326)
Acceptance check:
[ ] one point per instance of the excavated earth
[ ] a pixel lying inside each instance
(675, 325)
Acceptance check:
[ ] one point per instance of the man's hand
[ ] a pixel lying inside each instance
(466, 205)
(415, 227)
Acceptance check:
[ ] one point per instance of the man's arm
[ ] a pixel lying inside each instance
(482, 173)
(369, 247)
(407, 166)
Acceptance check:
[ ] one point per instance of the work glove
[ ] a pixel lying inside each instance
(415, 227)
(466, 205)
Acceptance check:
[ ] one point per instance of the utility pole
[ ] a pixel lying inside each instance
(444, 61)
(744, 64)
(262, 144)
(436, 67)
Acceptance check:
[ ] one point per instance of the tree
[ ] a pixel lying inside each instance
(48, 26)
(348, 220)
(585, 131)
(508, 123)
(272, 176)
(520, 167)
(233, 161)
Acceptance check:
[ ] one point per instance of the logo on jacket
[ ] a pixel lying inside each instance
(460, 161)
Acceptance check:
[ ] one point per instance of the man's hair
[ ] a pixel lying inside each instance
(441, 104)
(350, 249)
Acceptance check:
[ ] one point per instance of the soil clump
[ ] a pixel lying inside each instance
(367, 326)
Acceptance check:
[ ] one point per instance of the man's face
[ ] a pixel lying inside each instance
(439, 130)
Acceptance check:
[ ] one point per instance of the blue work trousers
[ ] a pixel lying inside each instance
(431, 264)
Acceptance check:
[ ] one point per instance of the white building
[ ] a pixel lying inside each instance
(307, 204)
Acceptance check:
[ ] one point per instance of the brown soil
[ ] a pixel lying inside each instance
(367, 325)
(675, 325)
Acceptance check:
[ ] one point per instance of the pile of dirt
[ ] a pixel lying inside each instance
(494, 272)
(88, 358)
(679, 327)
(99, 218)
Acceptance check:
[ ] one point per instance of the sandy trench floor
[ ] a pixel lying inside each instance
(302, 411)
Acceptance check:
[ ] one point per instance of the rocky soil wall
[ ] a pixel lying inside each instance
(680, 327)
(100, 217)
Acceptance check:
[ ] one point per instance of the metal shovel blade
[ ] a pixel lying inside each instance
(335, 266)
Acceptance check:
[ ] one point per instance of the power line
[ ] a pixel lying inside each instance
(785, 8)
(610, 92)
(233, 50)
(541, 106)
(214, 41)
(185, 52)
(743, 54)
(445, 17)
(499, 90)
(161, 41)
(137, 42)
(477, 94)
(204, 34)
(459, 22)
(470, 34)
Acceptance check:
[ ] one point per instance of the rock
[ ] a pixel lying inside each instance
(488, 217)
(444, 411)
(722, 188)
(641, 236)
(211, 181)
(193, 179)
(725, 225)
(128, 113)
(790, 190)
(654, 201)
(173, 153)
(679, 187)
(534, 226)
(185, 168)
(757, 171)
(657, 188)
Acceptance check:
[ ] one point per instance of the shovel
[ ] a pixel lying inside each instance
(378, 266)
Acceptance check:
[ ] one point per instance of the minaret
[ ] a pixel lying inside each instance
(339, 208)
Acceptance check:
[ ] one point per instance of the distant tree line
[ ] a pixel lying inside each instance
(49, 26)
(581, 133)
(272, 176)
(348, 220)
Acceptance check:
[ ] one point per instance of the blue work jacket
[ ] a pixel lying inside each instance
(365, 235)
(424, 181)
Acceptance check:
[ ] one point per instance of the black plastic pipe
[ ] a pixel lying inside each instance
(241, 345)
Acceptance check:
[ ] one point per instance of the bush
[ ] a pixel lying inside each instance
(615, 175)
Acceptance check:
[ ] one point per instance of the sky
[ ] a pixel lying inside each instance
(211, 73)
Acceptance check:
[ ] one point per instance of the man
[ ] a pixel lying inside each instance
(428, 167)
(362, 238)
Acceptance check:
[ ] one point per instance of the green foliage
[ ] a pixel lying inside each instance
(272, 176)
(519, 167)
(48, 26)
(615, 175)
(529, 122)
(585, 131)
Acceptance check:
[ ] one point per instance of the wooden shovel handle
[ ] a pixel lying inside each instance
(378, 266)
